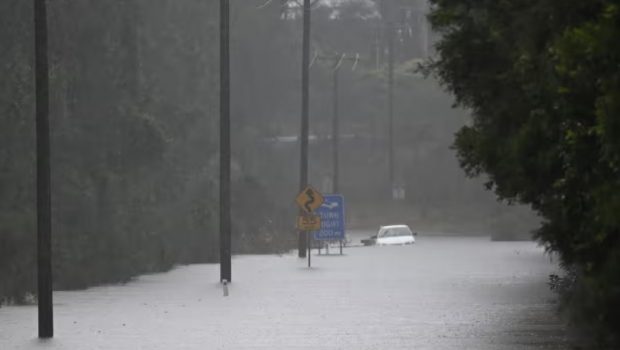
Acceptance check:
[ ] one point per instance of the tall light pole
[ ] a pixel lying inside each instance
(225, 217)
(44, 197)
(304, 237)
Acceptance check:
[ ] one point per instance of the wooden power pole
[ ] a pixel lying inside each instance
(225, 187)
(390, 33)
(303, 242)
(44, 197)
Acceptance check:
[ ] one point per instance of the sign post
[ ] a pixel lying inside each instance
(308, 201)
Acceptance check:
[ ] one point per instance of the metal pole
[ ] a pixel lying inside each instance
(424, 36)
(44, 206)
(305, 82)
(309, 248)
(336, 136)
(379, 48)
(390, 29)
(225, 217)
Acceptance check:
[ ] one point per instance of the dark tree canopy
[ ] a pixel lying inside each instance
(542, 81)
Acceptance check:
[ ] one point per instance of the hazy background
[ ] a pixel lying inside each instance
(135, 133)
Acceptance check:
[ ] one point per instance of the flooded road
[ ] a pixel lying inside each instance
(441, 293)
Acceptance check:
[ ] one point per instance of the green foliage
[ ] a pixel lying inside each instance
(542, 81)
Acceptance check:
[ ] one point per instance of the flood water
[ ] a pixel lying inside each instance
(441, 293)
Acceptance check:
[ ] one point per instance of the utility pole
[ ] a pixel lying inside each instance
(44, 195)
(336, 134)
(338, 58)
(336, 138)
(425, 32)
(388, 25)
(304, 242)
(390, 38)
(225, 217)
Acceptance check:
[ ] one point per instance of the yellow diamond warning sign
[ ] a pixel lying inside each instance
(309, 199)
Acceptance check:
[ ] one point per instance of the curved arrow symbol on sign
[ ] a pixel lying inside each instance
(331, 205)
(310, 200)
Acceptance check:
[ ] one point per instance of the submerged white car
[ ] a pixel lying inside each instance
(395, 234)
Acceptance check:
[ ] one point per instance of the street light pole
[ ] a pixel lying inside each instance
(304, 237)
(44, 207)
(225, 217)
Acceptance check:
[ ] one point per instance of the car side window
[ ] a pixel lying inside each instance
(405, 233)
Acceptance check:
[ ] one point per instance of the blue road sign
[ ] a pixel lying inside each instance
(332, 218)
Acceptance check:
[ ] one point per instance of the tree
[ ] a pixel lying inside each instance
(542, 82)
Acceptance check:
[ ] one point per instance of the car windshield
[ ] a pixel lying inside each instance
(396, 232)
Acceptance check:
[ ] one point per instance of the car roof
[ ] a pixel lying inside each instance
(395, 226)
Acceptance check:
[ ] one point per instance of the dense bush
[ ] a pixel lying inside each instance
(543, 84)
